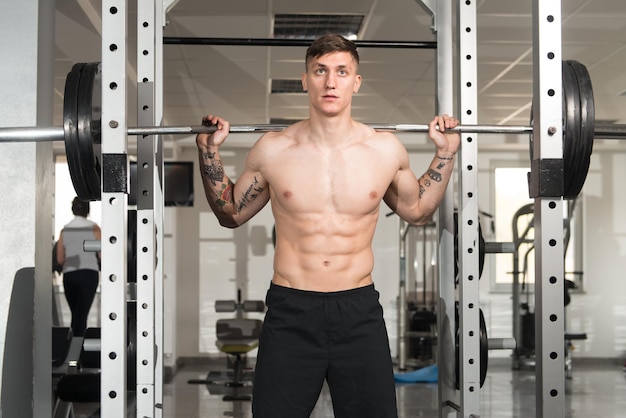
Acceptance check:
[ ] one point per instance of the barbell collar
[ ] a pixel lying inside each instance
(92, 246)
(501, 344)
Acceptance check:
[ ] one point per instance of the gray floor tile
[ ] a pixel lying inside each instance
(594, 391)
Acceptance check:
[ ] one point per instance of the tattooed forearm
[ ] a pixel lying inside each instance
(213, 168)
(225, 194)
(425, 181)
(442, 164)
(249, 195)
(434, 175)
(422, 190)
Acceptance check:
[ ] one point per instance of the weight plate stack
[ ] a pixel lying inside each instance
(89, 98)
(70, 127)
(483, 347)
(81, 124)
(578, 127)
(577, 154)
(571, 131)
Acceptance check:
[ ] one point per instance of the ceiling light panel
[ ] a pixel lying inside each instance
(310, 26)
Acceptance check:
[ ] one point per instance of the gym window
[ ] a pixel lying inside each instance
(510, 198)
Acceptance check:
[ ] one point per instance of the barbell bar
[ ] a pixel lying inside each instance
(81, 128)
(56, 133)
(175, 40)
(51, 134)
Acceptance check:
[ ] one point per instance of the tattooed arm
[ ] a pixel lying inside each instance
(416, 200)
(232, 203)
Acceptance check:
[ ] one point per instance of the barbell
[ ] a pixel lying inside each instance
(82, 121)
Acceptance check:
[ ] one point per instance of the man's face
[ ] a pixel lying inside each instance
(331, 80)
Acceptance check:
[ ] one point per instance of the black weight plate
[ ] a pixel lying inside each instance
(89, 162)
(583, 149)
(131, 255)
(70, 128)
(481, 249)
(96, 121)
(457, 326)
(96, 118)
(578, 126)
(131, 354)
(571, 128)
(484, 348)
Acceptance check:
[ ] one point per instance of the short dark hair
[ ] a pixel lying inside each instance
(331, 42)
(80, 208)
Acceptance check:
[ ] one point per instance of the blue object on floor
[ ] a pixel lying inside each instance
(428, 374)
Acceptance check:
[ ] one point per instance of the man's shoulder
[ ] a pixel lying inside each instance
(383, 138)
(280, 138)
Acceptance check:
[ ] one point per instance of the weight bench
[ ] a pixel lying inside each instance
(236, 337)
(569, 337)
(80, 381)
(61, 343)
(76, 378)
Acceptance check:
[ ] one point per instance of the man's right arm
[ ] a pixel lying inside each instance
(218, 187)
(233, 204)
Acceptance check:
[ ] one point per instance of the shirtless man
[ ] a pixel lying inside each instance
(326, 177)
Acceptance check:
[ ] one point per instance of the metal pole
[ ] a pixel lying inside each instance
(610, 131)
(32, 134)
(56, 133)
(146, 278)
(402, 338)
(114, 345)
(469, 358)
(548, 210)
(169, 40)
(45, 134)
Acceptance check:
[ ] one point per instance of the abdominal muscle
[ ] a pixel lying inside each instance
(324, 253)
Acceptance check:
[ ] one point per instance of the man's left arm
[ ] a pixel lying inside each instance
(416, 199)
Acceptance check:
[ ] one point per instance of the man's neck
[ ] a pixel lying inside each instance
(330, 129)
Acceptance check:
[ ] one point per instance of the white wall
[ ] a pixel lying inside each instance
(214, 261)
(26, 170)
(601, 310)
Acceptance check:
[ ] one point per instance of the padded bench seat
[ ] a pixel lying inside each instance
(238, 335)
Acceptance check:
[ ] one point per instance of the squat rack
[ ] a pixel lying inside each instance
(547, 159)
(546, 38)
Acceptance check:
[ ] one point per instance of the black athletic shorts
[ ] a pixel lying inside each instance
(308, 337)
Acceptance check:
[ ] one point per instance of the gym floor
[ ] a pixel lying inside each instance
(595, 390)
